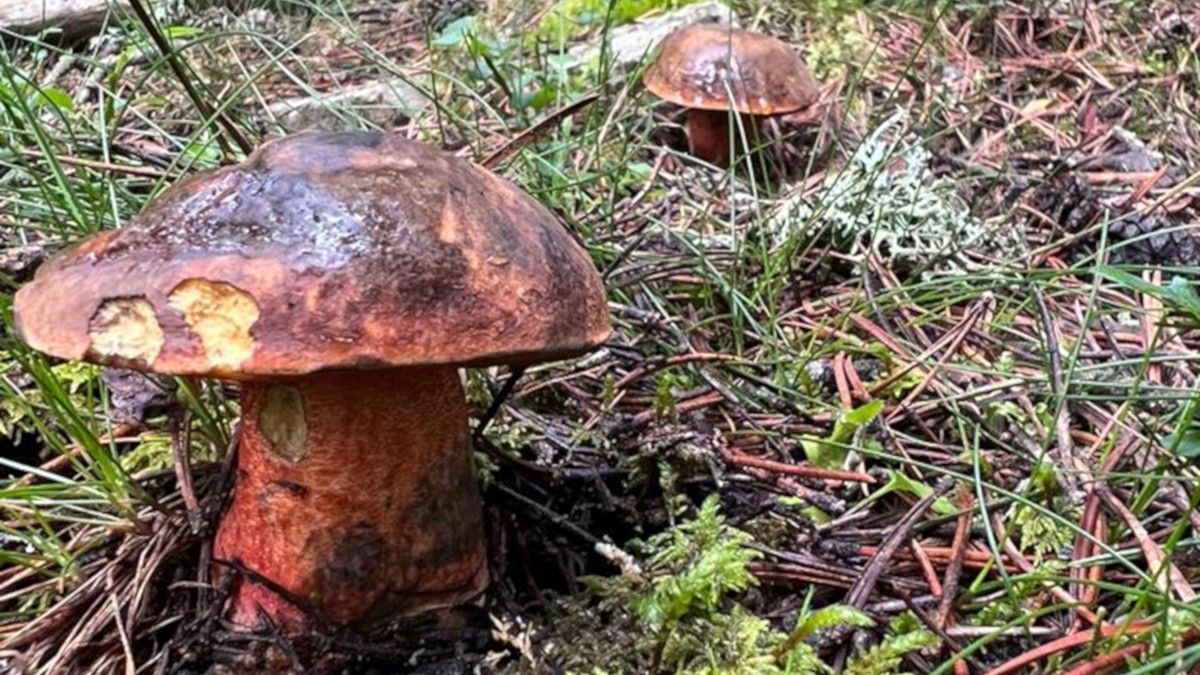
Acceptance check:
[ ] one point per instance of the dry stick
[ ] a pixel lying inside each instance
(144, 171)
(954, 568)
(940, 631)
(901, 531)
(1027, 567)
(1107, 661)
(658, 363)
(1084, 546)
(960, 334)
(497, 401)
(857, 390)
(1155, 559)
(1179, 498)
(534, 132)
(861, 590)
(1062, 427)
(940, 554)
(620, 559)
(1090, 520)
(839, 379)
(777, 572)
(76, 452)
(168, 53)
(695, 403)
(1068, 642)
(735, 457)
(952, 337)
(179, 421)
(931, 578)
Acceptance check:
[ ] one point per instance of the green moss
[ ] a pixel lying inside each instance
(16, 411)
(843, 50)
(683, 613)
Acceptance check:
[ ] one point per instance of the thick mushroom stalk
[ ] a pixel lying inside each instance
(356, 496)
(708, 134)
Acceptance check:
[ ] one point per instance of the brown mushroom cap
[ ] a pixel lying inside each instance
(766, 76)
(323, 251)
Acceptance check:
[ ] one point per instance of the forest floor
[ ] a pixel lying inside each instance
(916, 392)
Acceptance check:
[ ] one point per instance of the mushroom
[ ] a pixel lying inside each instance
(712, 70)
(343, 278)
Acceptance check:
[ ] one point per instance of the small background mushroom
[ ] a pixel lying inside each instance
(716, 71)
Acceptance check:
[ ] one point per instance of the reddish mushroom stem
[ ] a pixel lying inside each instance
(356, 494)
(709, 134)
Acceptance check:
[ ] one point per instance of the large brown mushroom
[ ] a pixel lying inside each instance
(343, 278)
(714, 71)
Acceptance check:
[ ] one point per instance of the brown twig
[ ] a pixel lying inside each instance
(735, 457)
(76, 452)
(1155, 559)
(901, 531)
(1068, 642)
(536, 131)
(955, 564)
(143, 171)
(176, 65)
(1068, 463)
(1107, 661)
(179, 421)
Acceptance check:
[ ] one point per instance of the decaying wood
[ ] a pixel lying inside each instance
(73, 17)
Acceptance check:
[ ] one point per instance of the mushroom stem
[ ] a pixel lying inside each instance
(355, 494)
(708, 133)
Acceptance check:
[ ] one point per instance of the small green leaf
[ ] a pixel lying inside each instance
(850, 421)
(54, 97)
(831, 453)
(864, 414)
(898, 482)
(1179, 295)
(454, 32)
(177, 32)
(639, 169)
(205, 153)
(1183, 294)
(542, 98)
(1186, 442)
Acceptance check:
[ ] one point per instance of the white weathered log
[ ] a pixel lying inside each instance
(379, 102)
(630, 43)
(72, 16)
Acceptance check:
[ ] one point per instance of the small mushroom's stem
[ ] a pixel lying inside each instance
(356, 495)
(708, 133)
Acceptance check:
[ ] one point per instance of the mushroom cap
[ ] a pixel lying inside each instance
(323, 251)
(766, 76)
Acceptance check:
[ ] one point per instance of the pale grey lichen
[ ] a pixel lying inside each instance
(887, 200)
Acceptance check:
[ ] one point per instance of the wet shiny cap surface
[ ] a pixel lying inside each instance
(323, 251)
(699, 66)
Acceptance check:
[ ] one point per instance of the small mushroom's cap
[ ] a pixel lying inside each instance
(765, 75)
(322, 251)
